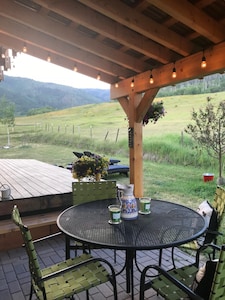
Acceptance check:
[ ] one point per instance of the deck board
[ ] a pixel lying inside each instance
(32, 180)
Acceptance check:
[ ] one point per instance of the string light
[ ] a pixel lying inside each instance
(151, 79)
(98, 76)
(174, 73)
(116, 85)
(75, 68)
(203, 62)
(49, 58)
(25, 48)
(132, 83)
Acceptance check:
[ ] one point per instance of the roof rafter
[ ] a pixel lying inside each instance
(193, 17)
(140, 23)
(94, 20)
(66, 34)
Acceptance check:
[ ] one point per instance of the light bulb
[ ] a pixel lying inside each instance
(132, 83)
(203, 63)
(151, 80)
(174, 74)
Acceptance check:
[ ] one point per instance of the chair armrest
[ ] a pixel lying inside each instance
(214, 232)
(47, 237)
(78, 265)
(176, 282)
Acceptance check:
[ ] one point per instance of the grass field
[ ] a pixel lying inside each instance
(172, 167)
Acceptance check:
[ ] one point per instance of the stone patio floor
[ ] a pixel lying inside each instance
(15, 276)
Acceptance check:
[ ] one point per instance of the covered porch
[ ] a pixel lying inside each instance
(134, 45)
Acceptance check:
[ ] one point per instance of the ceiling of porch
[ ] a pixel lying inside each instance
(120, 40)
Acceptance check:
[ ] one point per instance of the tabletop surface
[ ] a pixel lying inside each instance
(169, 224)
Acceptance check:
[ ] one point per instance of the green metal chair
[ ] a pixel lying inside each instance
(212, 234)
(91, 191)
(176, 284)
(66, 278)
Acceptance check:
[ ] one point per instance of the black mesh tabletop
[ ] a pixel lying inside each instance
(169, 224)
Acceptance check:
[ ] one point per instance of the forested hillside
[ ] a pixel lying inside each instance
(29, 94)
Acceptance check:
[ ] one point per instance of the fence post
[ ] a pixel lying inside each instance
(91, 132)
(182, 138)
(106, 135)
(117, 134)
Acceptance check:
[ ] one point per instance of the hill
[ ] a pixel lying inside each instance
(107, 118)
(28, 94)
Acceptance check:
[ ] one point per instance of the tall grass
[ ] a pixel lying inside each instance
(50, 137)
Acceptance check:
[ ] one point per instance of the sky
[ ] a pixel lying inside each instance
(30, 67)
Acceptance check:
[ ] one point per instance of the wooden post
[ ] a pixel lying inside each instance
(135, 146)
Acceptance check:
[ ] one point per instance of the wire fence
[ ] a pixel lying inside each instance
(91, 132)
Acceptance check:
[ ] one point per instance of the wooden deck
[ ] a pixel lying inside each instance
(40, 190)
(35, 186)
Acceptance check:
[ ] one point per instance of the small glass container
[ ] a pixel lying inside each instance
(115, 214)
(145, 205)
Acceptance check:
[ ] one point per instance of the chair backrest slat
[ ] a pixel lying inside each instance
(91, 191)
(30, 249)
(218, 285)
(219, 203)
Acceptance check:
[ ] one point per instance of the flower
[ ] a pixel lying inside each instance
(156, 111)
(91, 165)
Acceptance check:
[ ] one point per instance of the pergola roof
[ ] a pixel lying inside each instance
(118, 39)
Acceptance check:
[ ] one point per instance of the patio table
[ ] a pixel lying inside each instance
(168, 225)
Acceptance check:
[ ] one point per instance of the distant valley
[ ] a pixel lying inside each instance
(28, 94)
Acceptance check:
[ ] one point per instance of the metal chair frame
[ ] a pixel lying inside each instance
(65, 278)
(176, 284)
(91, 191)
(210, 236)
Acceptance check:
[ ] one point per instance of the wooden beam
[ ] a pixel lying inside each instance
(68, 35)
(127, 16)
(85, 16)
(52, 45)
(124, 102)
(145, 103)
(187, 68)
(16, 44)
(135, 146)
(193, 17)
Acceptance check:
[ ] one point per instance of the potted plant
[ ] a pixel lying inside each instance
(94, 167)
(155, 112)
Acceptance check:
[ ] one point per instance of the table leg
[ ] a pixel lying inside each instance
(130, 255)
(67, 239)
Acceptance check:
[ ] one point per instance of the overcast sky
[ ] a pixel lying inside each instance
(40, 70)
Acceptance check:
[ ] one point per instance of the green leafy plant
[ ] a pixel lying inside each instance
(155, 112)
(208, 130)
(89, 166)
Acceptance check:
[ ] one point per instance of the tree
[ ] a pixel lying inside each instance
(209, 131)
(7, 111)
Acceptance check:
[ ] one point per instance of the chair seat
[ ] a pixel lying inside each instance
(193, 245)
(170, 291)
(89, 275)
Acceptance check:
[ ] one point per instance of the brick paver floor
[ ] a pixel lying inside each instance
(15, 277)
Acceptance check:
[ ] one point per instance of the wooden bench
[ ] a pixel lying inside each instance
(40, 225)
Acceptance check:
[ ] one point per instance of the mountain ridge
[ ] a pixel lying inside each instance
(28, 94)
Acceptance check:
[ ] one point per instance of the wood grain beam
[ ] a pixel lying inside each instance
(66, 34)
(187, 69)
(127, 16)
(85, 16)
(193, 17)
(145, 103)
(17, 44)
